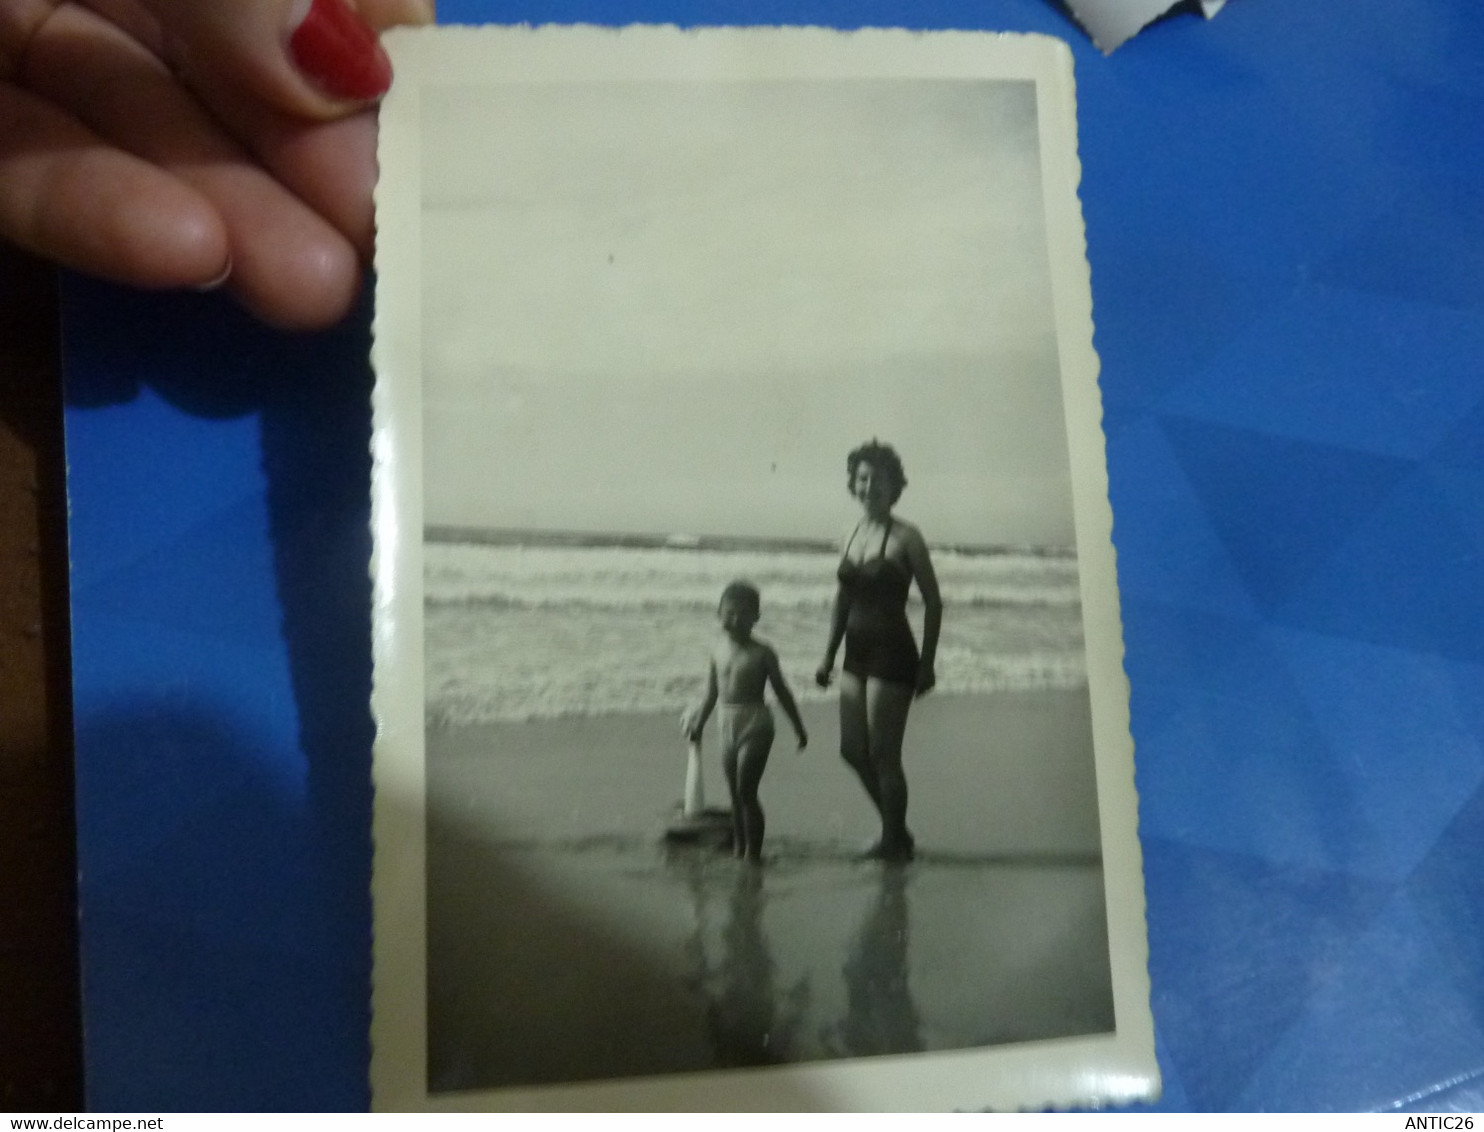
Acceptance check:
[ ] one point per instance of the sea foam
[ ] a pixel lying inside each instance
(524, 632)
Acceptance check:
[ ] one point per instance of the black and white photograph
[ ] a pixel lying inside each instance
(749, 686)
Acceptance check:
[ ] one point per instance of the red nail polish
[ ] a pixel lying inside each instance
(339, 53)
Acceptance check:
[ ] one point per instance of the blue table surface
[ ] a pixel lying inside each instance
(1287, 252)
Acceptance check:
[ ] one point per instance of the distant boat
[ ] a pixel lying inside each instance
(683, 542)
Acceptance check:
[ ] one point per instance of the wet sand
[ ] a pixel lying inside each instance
(568, 942)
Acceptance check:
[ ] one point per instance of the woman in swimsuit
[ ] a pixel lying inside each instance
(883, 672)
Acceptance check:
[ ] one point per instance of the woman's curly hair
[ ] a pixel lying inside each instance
(883, 458)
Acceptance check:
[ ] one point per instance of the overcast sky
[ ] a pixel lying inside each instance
(675, 307)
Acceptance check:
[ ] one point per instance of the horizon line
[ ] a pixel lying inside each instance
(685, 540)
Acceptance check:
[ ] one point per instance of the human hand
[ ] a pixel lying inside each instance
(691, 726)
(198, 143)
(825, 674)
(803, 739)
(926, 680)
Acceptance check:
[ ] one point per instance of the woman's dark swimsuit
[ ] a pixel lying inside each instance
(878, 639)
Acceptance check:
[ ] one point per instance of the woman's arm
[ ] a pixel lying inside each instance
(932, 623)
(838, 615)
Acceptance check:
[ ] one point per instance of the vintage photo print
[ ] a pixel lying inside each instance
(752, 725)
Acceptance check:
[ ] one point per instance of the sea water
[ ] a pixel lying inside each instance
(519, 629)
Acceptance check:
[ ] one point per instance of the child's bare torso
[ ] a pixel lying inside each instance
(741, 670)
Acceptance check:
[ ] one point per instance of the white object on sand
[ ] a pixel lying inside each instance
(695, 794)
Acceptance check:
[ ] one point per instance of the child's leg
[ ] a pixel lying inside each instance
(752, 760)
(729, 768)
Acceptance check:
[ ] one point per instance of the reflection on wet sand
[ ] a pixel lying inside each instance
(881, 1016)
(610, 960)
(752, 1021)
(749, 1021)
(745, 1023)
(568, 942)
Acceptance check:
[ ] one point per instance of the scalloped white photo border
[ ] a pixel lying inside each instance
(1095, 1070)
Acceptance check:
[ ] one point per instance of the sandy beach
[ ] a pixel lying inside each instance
(568, 942)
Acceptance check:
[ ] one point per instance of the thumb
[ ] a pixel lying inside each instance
(312, 58)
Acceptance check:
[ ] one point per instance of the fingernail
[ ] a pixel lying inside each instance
(219, 282)
(338, 52)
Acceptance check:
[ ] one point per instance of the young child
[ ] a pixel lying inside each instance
(741, 666)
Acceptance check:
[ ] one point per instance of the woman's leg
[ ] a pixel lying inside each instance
(855, 735)
(887, 705)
